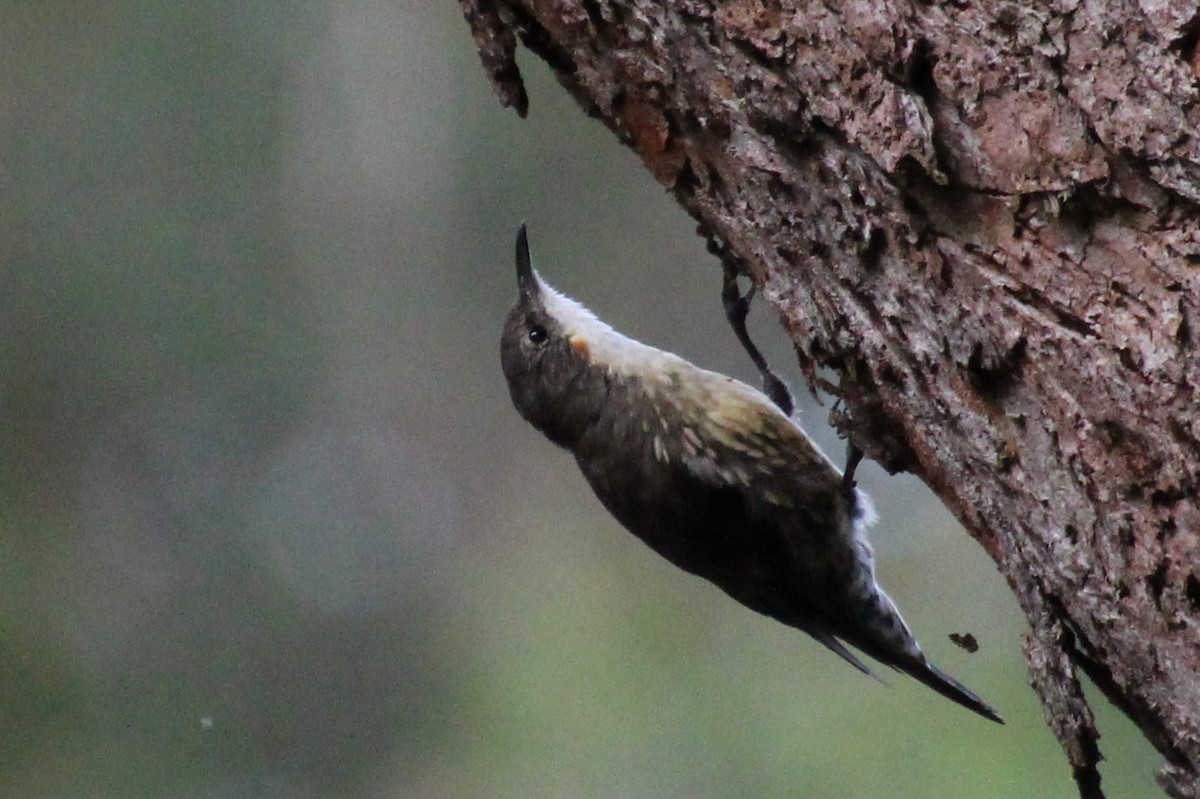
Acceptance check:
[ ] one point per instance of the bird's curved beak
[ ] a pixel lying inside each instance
(527, 279)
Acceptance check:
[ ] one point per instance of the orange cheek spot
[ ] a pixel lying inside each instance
(579, 344)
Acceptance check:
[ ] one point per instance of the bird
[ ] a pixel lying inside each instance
(710, 474)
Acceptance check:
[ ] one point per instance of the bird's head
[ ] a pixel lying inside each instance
(549, 354)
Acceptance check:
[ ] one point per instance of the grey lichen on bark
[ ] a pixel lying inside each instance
(984, 219)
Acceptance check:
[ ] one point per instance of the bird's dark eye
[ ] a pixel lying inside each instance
(537, 334)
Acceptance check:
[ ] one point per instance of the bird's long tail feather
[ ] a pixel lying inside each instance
(950, 688)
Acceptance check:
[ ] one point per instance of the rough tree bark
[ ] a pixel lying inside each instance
(983, 217)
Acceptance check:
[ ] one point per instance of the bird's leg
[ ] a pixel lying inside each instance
(853, 456)
(737, 306)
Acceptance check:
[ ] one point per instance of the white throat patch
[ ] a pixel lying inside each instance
(603, 345)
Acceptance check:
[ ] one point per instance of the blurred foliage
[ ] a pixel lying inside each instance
(272, 528)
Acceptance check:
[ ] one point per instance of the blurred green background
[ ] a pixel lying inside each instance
(271, 525)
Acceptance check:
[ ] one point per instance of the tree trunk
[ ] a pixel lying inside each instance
(983, 218)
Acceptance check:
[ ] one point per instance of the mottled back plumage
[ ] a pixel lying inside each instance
(710, 474)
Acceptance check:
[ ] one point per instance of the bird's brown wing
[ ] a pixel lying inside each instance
(776, 518)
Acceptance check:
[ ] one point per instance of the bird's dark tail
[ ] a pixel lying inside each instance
(950, 688)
